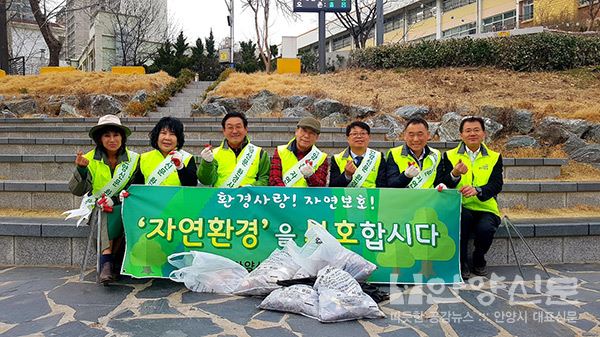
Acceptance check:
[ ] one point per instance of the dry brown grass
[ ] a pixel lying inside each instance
(563, 94)
(81, 83)
(14, 212)
(575, 171)
(573, 212)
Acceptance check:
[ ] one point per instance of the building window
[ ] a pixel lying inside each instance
(504, 21)
(449, 5)
(424, 11)
(527, 10)
(425, 38)
(342, 42)
(464, 30)
(393, 23)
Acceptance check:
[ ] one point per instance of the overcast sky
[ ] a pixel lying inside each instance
(197, 17)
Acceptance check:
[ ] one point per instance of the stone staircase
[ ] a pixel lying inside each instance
(180, 105)
(37, 157)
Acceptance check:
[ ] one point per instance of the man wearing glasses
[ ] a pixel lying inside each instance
(237, 162)
(415, 164)
(477, 171)
(358, 165)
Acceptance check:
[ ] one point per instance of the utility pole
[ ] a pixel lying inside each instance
(230, 21)
(379, 22)
(3, 37)
(322, 52)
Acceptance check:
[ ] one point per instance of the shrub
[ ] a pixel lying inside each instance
(536, 52)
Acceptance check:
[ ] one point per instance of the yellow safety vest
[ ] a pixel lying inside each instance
(288, 160)
(151, 159)
(342, 158)
(478, 175)
(101, 172)
(227, 161)
(402, 157)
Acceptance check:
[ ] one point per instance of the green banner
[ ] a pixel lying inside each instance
(411, 235)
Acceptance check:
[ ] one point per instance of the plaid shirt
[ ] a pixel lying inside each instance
(318, 179)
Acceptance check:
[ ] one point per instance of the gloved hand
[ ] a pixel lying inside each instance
(440, 187)
(207, 154)
(106, 204)
(307, 170)
(177, 159)
(412, 171)
(124, 194)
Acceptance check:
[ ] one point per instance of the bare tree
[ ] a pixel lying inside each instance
(140, 26)
(3, 37)
(360, 21)
(262, 10)
(593, 12)
(42, 17)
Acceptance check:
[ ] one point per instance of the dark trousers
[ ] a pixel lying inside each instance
(481, 226)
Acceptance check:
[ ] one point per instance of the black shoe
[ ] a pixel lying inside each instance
(106, 273)
(480, 271)
(464, 271)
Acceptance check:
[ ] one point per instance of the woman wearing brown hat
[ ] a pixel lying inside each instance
(100, 176)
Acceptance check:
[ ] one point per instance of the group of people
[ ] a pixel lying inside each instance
(104, 174)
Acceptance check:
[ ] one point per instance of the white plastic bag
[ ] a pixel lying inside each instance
(322, 249)
(298, 299)
(341, 297)
(205, 272)
(263, 280)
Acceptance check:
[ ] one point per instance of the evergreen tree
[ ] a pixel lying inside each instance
(248, 61)
(198, 59)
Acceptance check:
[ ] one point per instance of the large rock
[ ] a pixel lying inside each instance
(433, 127)
(326, 107)
(448, 129)
(492, 129)
(388, 122)
(140, 96)
(356, 111)
(521, 141)
(39, 116)
(300, 101)
(213, 109)
(296, 112)
(334, 120)
(67, 110)
(105, 105)
(593, 134)
(21, 107)
(576, 126)
(233, 104)
(587, 154)
(573, 144)
(523, 122)
(551, 135)
(410, 111)
(265, 102)
(7, 114)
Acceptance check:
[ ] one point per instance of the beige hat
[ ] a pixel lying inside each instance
(311, 123)
(109, 120)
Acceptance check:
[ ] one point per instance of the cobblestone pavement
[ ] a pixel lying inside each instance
(52, 302)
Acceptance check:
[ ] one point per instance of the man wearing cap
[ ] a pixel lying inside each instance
(358, 165)
(100, 176)
(299, 163)
(236, 162)
(415, 164)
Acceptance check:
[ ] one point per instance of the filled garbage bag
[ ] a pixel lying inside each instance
(298, 299)
(205, 272)
(263, 280)
(322, 249)
(341, 297)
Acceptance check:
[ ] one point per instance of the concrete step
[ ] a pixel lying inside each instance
(54, 195)
(213, 131)
(60, 167)
(134, 121)
(72, 145)
(553, 240)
